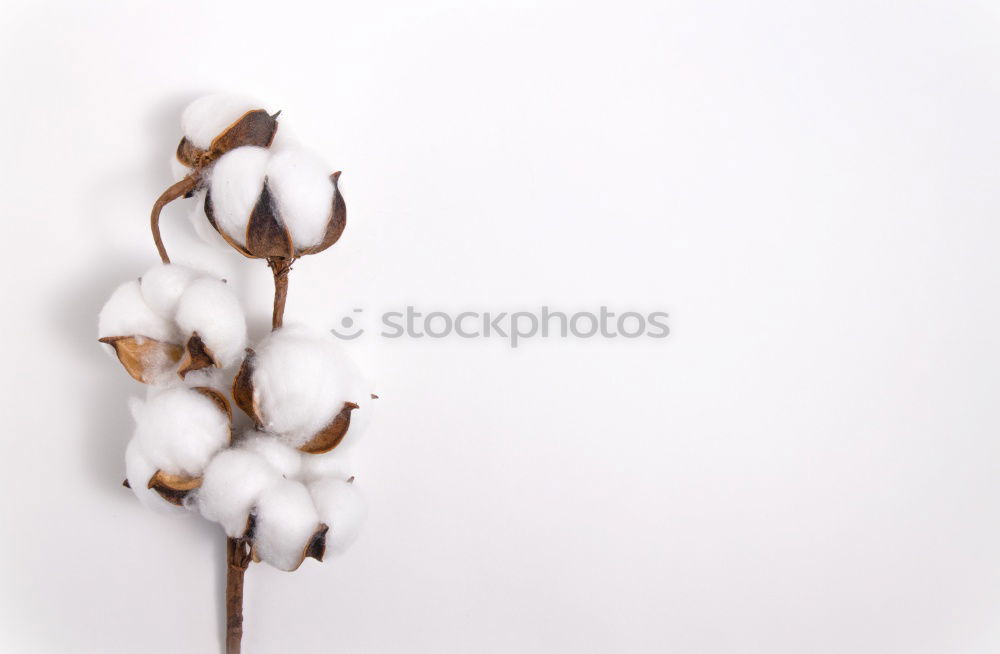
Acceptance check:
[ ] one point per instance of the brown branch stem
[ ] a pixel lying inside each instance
(237, 560)
(280, 267)
(180, 189)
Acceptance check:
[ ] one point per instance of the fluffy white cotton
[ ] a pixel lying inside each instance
(335, 464)
(179, 429)
(285, 523)
(301, 380)
(282, 457)
(138, 471)
(162, 286)
(127, 314)
(341, 507)
(303, 193)
(202, 227)
(232, 483)
(209, 307)
(210, 115)
(237, 180)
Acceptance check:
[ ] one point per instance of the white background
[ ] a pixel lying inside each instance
(809, 463)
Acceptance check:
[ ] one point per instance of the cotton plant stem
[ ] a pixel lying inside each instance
(180, 189)
(237, 549)
(280, 267)
(237, 560)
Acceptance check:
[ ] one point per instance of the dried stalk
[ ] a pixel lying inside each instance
(237, 549)
(280, 267)
(237, 560)
(178, 190)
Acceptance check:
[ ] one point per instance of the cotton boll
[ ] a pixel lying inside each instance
(303, 194)
(209, 308)
(209, 115)
(127, 314)
(301, 380)
(237, 181)
(286, 521)
(163, 285)
(138, 472)
(335, 464)
(180, 429)
(232, 483)
(340, 507)
(276, 452)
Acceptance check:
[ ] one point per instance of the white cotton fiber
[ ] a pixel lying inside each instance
(301, 380)
(341, 508)
(303, 193)
(282, 457)
(210, 115)
(209, 308)
(237, 180)
(138, 471)
(286, 521)
(179, 429)
(232, 483)
(335, 464)
(162, 286)
(127, 314)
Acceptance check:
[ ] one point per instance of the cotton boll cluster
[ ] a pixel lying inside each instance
(172, 321)
(178, 430)
(297, 512)
(275, 203)
(299, 384)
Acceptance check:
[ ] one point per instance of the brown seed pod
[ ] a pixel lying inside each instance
(243, 388)
(196, 356)
(255, 127)
(173, 488)
(330, 436)
(145, 359)
(266, 234)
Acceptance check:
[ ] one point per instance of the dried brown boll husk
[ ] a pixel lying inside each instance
(255, 127)
(145, 359)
